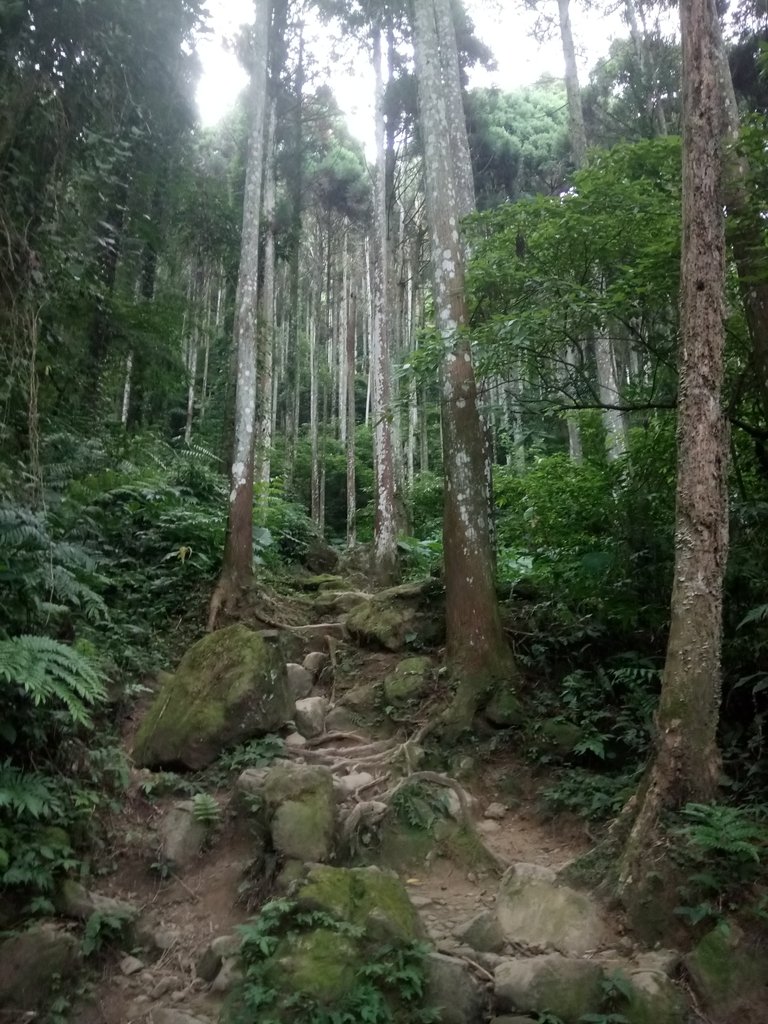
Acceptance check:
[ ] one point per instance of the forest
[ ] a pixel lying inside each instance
(383, 532)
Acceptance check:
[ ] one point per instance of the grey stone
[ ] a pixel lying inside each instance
(348, 785)
(295, 741)
(131, 965)
(250, 783)
(654, 999)
(31, 964)
(170, 1015)
(363, 698)
(662, 961)
(229, 976)
(453, 990)
(163, 987)
(74, 900)
(567, 988)
(182, 835)
(495, 811)
(222, 947)
(309, 716)
(534, 908)
(488, 827)
(314, 663)
(300, 680)
(483, 933)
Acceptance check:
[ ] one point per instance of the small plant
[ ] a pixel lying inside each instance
(419, 806)
(105, 928)
(206, 810)
(254, 754)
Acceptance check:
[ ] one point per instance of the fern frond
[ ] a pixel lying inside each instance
(50, 672)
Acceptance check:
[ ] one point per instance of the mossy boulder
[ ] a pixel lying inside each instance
(301, 809)
(535, 908)
(229, 687)
(410, 682)
(31, 965)
(320, 965)
(726, 967)
(504, 708)
(366, 897)
(560, 736)
(549, 984)
(653, 999)
(409, 614)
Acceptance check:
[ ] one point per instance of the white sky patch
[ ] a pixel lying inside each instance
(508, 31)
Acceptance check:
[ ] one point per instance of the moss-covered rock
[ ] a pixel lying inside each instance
(560, 736)
(229, 687)
(410, 682)
(31, 965)
(654, 999)
(504, 708)
(362, 699)
(549, 984)
(301, 808)
(726, 967)
(319, 965)
(374, 900)
(408, 614)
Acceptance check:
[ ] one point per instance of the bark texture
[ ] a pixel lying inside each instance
(476, 648)
(385, 523)
(686, 762)
(576, 130)
(237, 564)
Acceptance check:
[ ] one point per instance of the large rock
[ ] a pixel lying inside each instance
(726, 967)
(300, 680)
(31, 964)
(410, 682)
(534, 908)
(366, 897)
(483, 933)
(301, 806)
(74, 900)
(410, 613)
(309, 716)
(549, 983)
(229, 687)
(182, 835)
(453, 991)
(319, 965)
(653, 999)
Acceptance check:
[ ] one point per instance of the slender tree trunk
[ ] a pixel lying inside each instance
(127, 383)
(350, 411)
(576, 130)
(267, 317)
(613, 419)
(296, 192)
(237, 566)
(653, 103)
(454, 108)
(686, 763)
(385, 524)
(477, 651)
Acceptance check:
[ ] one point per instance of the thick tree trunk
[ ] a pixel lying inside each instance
(687, 762)
(576, 130)
(477, 651)
(385, 524)
(237, 566)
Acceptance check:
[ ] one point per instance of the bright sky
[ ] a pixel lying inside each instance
(520, 58)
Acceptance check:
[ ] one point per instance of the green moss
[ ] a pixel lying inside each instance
(320, 965)
(724, 967)
(302, 811)
(560, 736)
(230, 686)
(409, 682)
(376, 622)
(654, 1000)
(364, 897)
(504, 707)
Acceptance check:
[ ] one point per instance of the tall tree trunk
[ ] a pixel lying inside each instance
(385, 524)
(296, 193)
(653, 104)
(350, 414)
(454, 107)
(237, 565)
(267, 317)
(477, 651)
(686, 761)
(576, 130)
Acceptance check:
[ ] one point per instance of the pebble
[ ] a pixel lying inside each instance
(471, 876)
(495, 811)
(421, 901)
(131, 965)
(295, 740)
